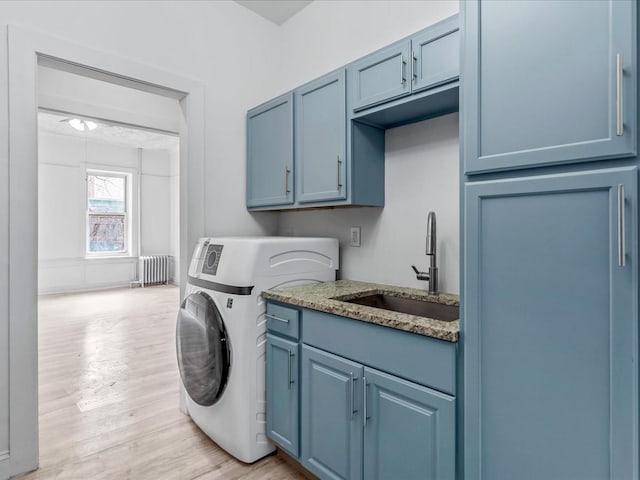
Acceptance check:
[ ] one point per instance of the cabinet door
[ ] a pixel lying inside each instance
(282, 393)
(548, 82)
(270, 153)
(331, 420)
(409, 431)
(381, 76)
(321, 139)
(551, 327)
(435, 54)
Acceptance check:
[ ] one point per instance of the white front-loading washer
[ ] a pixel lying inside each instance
(221, 330)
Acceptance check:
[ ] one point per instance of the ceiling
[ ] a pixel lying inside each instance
(107, 132)
(278, 11)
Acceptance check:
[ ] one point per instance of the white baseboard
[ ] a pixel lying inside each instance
(82, 288)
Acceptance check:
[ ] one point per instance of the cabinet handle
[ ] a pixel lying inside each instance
(403, 78)
(414, 66)
(619, 99)
(273, 317)
(621, 230)
(352, 396)
(365, 388)
(291, 355)
(286, 180)
(339, 168)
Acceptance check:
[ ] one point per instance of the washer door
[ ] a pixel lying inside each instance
(203, 349)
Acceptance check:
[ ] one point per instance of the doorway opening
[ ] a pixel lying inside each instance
(26, 52)
(108, 195)
(108, 183)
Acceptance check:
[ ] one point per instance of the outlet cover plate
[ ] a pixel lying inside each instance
(355, 236)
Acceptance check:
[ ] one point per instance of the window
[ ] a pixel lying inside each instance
(107, 219)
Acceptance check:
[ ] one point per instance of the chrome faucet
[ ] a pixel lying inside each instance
(431, 275)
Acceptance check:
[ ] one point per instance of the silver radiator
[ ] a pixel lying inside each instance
(154, 269)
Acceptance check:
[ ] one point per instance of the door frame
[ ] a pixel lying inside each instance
(20, 50)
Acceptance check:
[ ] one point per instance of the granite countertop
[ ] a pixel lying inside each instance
(329, 297)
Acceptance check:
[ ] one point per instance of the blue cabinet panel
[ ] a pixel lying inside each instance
(283, 320)
(270, 153)
(551, 327)
(436, 55)
(409, 432)
(321, 139)
(331, 420)
(282, 393)
(421, 359)
(381, 76)
(548, 82)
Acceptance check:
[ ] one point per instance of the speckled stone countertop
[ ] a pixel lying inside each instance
(329, 297)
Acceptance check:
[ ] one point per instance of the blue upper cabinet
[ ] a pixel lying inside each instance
(321, 139)
(551, 326)
(381, 76)
(548, 82)
(270, 153)
(340, 122)
(435, 55)
(425, 60)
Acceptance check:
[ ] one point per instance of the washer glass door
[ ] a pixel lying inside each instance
(203, 349)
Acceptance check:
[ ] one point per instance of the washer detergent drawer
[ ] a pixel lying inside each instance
(283, 320)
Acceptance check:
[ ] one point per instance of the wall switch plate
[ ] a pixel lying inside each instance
(355, 236)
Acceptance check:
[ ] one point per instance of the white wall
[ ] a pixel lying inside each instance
(421, 163)
(68, 92)
(232, 51)
(421, 159)
(328, 34)
(174, 219)
(155, 202)
(242, 60)
(160, 206)
(62, 162)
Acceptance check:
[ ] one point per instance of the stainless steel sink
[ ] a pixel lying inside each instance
(421, 308)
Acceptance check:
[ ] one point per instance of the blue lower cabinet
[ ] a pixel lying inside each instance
(551, 327)
(355, 422)
(409, 431)
(358, 422)
(283, 394)
(331, 417)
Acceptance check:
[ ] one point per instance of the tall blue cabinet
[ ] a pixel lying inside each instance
(548, 82)
(550, 240)
(551, 326)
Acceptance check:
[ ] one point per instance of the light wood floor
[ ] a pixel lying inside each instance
(109, 394)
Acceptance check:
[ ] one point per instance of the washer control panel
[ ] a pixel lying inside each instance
(212, 259)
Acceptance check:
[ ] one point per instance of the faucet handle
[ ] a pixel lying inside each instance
(420, 275)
